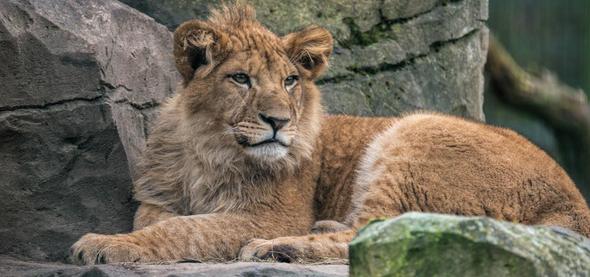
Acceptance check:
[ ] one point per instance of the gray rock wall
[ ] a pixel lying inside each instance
(79, 82)
(391, 56)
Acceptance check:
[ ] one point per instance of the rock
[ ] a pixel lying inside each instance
(80, 81)
(391, 56)
(11, 267)
(416, 244)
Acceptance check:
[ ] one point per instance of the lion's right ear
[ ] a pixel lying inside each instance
(198, 47)
(309, 48)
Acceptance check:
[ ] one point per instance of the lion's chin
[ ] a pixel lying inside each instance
(268, 151)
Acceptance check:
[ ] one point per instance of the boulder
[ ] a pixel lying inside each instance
(80, 81)
(11, 267)
(391, 56)
(417, 244)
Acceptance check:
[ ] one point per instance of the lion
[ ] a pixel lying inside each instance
(243, 163)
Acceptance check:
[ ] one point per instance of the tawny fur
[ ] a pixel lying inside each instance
(208, 194)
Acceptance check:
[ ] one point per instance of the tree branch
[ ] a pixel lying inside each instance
(563, 108)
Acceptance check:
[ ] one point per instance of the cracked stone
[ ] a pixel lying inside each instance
(410, 85)
(49, 105)
(79, 81)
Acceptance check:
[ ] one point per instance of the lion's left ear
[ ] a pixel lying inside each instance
(310, 49)
(198, 47)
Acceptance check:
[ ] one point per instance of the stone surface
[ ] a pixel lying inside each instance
(416, 244)
(391, 57)
(10, 267)
(79, 82)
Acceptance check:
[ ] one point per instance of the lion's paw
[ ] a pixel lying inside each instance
(277, 250)
(102, 249)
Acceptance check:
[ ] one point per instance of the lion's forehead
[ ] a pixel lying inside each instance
(255, 37)
(259, 55)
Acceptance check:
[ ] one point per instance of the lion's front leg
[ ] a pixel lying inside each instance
(148, 214)
(210, 237)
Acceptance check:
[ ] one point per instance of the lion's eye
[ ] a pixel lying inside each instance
(241, 78)
(291, 81)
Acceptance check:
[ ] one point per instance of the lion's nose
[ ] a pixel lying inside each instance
(275, 122)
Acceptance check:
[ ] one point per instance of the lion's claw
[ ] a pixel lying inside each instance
(260, 249)
(103, 249)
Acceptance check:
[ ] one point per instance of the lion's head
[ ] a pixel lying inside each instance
(250, 92)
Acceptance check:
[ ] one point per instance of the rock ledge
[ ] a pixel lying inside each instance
(10, 267)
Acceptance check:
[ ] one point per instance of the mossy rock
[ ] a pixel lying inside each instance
(418, 244)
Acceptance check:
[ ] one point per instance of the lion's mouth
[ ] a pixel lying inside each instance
(264, 142)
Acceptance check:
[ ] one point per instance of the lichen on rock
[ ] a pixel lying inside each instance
(417, 244)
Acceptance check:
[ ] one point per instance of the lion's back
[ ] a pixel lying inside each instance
(439, 163)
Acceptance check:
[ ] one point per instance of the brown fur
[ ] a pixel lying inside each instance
(207, 193)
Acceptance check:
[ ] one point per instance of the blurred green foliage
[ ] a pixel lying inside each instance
(544, 34)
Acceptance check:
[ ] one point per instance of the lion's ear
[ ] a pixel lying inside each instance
(309, 48)
(197, 48)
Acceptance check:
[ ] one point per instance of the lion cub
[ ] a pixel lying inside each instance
(243, 162)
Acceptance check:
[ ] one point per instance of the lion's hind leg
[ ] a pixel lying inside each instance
(311, 248)
(577, 219)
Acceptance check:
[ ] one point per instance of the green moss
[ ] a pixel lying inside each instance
(357, 37)
(417, 244)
